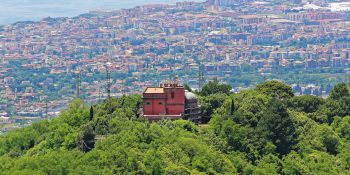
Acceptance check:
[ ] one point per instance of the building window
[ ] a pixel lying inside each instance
(148, 103)
(172, 95)
(160, 103)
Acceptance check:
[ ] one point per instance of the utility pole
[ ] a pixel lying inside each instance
(108, 83)
(78, 84)
(16, 93)
(99, 94)
(46, 109)
(200, 77)
(200, 80)
(123, 90)
(109, 92)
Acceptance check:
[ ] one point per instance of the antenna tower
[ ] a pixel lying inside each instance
(78, 84)
(200, 77)
(46, 109)
(99, 94)
(109, 92)
(108, 83)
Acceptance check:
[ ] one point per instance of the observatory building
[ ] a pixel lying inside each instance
(169, 101)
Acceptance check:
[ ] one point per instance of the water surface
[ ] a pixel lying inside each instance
(23, 10)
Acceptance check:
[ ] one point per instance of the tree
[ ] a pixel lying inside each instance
(236, 136)
(260, 137)
(333, 108)
(214, 87)
(294, 164)
(318, 137)
(275, 89)
(343, 127)
(210, 103)
(269, 164)
(249, 107)
(86, 138)
(91, 113)
(339, 91)
(305, 103)
(232, 110)
(277, 126)
(188, 88)
(328, 138)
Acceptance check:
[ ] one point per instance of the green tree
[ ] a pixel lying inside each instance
(210, 103)
(318, 138)
(249, 107)
(188, 88)
(275, 89)
(277, 126)
(343, 127)
(294, 164)
(86, 138)
(339, 91)
(214, 87)
(333, 108)
(261, 136)
(305, 103)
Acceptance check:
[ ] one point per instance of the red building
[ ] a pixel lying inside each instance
(166, 101)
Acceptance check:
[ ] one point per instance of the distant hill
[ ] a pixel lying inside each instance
(266, 130)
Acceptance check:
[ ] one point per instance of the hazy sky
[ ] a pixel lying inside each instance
(19, 10)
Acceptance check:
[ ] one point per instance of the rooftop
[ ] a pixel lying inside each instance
(190, 96)
(154, 90)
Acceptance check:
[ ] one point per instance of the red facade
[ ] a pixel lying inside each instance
(166, 101)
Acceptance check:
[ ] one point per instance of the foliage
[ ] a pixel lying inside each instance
(275, 89)
(276, 126)
(211, 102)
(249, 107)
(258, 131)
(339, 91)
(188, 88)
(306, 103)
(214, 87)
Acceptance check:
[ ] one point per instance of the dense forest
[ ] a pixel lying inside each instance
(266, 130)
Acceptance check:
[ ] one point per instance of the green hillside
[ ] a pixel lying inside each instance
(266, 130)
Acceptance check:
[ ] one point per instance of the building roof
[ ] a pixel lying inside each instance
(190, 96)
(250, 16)
(154, 90)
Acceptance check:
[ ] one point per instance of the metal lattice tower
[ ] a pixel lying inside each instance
(109, 84)
(99, 94)
(200, 77)
(78, 84)
(46, 109)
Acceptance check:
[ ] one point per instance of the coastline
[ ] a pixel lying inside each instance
(12, 13)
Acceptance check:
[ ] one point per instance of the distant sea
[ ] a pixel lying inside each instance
(23, 10)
